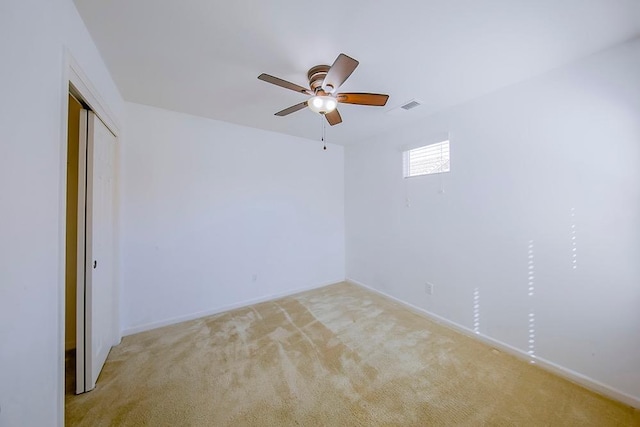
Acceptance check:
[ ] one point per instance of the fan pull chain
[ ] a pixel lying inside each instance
(323, 132)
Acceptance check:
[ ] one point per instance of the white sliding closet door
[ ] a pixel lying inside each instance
(97, 324)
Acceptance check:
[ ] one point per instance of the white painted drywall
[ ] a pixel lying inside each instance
(217, 214)
(33, 36)
(533, 162)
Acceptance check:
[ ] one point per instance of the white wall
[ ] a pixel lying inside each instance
(208, 205)
(528, 163)
(33, 34)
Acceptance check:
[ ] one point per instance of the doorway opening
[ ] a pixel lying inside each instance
(90, 293)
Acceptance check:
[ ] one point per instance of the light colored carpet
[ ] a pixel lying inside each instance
(335, 356)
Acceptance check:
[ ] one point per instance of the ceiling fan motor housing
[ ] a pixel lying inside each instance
(316, 76)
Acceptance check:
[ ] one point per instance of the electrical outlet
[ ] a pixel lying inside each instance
(428, 288)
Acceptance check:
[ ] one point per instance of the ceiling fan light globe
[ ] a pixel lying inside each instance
(322, 104)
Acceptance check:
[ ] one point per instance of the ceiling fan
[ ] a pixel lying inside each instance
(324, 82)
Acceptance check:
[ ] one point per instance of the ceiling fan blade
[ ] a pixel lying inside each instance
(374, 99)
(292, 109)
(283, 83)
(333, 117)
(339, 72)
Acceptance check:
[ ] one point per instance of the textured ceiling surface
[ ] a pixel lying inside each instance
(203, 57)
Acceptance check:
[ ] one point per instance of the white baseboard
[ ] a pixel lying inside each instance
(552, 367)
(218, 310)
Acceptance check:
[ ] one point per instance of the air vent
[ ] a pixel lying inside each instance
(405, 106)
(410, 105)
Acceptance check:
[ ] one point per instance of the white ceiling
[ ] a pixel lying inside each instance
(203, 57)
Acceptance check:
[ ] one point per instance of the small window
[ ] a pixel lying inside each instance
(426, 160)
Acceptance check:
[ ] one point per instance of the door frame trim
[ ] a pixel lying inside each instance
(75, 81)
